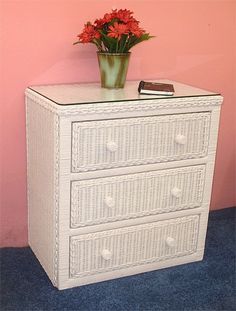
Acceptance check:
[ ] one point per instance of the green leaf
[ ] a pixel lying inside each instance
(110, 43)
(134, 40)
(123, 42)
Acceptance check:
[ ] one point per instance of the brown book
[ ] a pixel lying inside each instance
(154, 88)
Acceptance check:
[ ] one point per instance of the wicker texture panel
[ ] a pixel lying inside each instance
(43, 185)
(128, 196)
(131, 246)
(134, 141)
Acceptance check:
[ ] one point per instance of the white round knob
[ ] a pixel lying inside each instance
(109, 201)
(106, 254)
(170, 241)
(176, 192)
(112, 146)
(180, 139)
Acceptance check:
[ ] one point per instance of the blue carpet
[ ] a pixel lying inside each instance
(207, 285)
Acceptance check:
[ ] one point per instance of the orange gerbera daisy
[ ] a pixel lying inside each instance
(89, 34)
(135, 29)
(123, 15)
(117, 30)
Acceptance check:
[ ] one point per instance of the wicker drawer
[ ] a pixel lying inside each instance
(133, 141)
(131, 246)
(128, 196)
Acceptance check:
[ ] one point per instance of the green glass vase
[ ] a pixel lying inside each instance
(113, 69)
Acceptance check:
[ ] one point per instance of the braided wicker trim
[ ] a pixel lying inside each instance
(56, 199)
(125, 106)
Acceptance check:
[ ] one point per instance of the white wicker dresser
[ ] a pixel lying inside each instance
(118, 183)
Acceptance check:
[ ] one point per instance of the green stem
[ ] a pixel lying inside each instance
(117, 46)
(124, 44)
(98, 45)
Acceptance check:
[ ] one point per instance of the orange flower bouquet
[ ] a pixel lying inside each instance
(114, 35)
(116, 32)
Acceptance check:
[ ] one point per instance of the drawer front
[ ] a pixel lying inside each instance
(115, 198)
(125, 142)
(131, 246)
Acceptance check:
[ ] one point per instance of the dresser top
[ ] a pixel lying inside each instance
(85, 93)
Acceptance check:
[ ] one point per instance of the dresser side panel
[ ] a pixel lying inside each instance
(41, 155)
(210, 166)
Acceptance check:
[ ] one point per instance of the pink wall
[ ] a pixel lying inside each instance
(194, 44)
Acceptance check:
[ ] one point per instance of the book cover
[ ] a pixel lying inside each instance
(154, 88)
